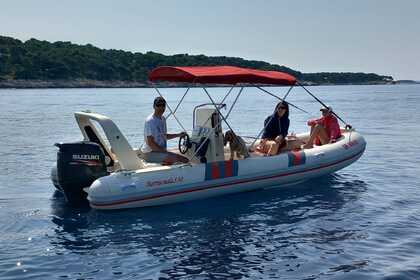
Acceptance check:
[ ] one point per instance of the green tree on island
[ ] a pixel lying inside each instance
(42, 60)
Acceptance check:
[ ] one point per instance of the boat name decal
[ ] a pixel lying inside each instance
(170, 180)
(86, 157)
(350, 144)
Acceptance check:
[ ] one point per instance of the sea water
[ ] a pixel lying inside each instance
(362, 222)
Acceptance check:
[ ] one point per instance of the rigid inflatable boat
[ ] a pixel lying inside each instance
(109, 174)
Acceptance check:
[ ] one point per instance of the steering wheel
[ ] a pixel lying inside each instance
(184, 143)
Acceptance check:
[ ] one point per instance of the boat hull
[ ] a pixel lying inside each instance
(165, 185)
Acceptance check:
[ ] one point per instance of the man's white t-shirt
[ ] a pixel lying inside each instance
(156, 127)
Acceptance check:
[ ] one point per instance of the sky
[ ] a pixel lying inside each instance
(369, 36)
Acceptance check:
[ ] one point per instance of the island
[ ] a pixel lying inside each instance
(42, 64)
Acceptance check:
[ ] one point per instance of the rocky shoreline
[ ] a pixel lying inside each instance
(22, 84)
(33, 84)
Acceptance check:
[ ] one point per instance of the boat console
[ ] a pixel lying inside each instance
(207, 134)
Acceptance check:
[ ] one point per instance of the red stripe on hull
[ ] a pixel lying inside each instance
(229, 168)
(296, 158)
(215, 174)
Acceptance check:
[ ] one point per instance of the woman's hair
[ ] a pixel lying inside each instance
(285, 104)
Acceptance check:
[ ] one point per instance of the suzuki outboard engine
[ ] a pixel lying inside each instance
(78, 165)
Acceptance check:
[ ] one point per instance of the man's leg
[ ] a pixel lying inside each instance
(154, 157)
(172, 158)
(165, 158)
(317, 131)
(323, 136)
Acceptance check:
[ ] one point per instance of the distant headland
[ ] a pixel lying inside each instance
(41, 64)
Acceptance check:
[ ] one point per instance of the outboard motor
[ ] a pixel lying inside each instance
(78, 165)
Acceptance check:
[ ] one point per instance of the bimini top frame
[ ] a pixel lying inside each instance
(227, 75)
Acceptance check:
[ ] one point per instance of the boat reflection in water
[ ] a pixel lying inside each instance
(233, 236)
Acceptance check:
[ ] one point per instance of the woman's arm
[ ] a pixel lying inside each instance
(267, 128)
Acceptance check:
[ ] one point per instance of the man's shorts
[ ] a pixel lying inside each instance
(160, 157)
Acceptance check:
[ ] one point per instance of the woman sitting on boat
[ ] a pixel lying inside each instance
(323, 130)
(276, 128)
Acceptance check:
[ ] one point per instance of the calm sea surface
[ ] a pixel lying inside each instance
(363, 222)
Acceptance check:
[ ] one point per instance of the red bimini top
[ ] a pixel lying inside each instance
(219, 75)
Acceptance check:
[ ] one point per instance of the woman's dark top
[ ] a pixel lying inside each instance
(275, 127)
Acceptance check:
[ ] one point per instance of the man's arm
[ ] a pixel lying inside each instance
(153, 145)
(175, 135)
(313, 122)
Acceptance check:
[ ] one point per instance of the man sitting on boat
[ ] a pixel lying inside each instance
(155, 136)
(323, 130)
(276, 128)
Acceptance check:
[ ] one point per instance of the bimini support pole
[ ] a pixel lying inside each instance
(221, 104)
(272, 116)
(226, 96)
(287, 93)
(218, 111)
(172, 112)
(234, 102)
(179, 103)
(281, 99)
(323, 104)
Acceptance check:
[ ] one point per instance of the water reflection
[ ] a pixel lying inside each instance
(230, 236)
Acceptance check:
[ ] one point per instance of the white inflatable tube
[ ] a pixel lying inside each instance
(171, 184)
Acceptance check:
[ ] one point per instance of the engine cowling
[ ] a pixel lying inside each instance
(78, 165)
